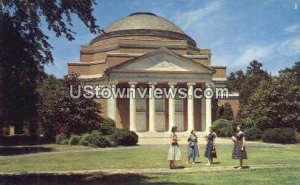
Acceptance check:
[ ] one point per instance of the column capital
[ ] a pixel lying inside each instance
(152, 83)
(191, 83)
(113, 83)
(209, 84)
(172, 83)
(132, 84)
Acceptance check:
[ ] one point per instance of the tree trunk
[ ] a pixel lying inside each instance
(1, 99)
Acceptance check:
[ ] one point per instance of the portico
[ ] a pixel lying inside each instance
(161, 72)
(158, 115)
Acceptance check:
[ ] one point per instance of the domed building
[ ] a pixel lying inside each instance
(146, 52)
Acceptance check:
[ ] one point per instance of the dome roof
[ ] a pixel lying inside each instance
(143, 20)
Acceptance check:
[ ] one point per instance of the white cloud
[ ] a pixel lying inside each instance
(289, 47)
(293, 28)
(187, 19)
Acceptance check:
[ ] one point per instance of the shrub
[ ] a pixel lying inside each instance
(264, 123)
(223, 127)
(247, 123)
(110, 139)
(282, 135)
(96, 139)
(74, 140)
(124, 137)
(107, 126)
(298, 138)
(84, 139)
(226, 131)
(252, 133)
(100, 142)
(59, 138)
(64, 142)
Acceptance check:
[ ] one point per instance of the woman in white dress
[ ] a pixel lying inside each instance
(174, 150)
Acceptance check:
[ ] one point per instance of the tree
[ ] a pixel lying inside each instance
(246, 83)
(25, 49)
(20, 72)
(235, 80)
(28, 16)
(277, 99)
(62, 114)
(293, 73)
(226, 112)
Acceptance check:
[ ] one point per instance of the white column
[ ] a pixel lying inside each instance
(190, 106)
(203, 114)
(171, 107)
(151, 107)
(112, 103)
(132, 106)
(208, 110)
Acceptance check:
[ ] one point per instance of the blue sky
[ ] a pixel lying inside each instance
(237, 32)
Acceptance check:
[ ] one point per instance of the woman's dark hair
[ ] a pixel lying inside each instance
(192, 131)
(173, 129)
(240, 126)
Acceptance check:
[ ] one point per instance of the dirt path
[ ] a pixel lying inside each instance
(154, 170)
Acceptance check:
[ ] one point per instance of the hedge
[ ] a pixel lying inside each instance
(124, 137)
(281, 135)
(223, 127)
(252, 133)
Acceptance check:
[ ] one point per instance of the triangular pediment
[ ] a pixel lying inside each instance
(162, 60)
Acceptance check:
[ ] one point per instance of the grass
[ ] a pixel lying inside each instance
(73, 158)
(256, 177)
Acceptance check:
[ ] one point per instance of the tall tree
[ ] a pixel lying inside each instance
(276, 102)
(20, 74)
(245, 83)
(226, 112)
(293, 73)
(25, 49)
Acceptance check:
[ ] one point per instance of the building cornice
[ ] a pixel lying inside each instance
(146, 32)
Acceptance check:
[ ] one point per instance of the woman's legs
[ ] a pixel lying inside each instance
(208, 161)
(241, 163)
(171, 164)
(189, 158)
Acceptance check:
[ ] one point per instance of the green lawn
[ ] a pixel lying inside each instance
(263, 161)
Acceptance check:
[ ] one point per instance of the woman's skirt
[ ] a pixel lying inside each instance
(193, 151)
(174, 153)
(237, 152)
(210, 151)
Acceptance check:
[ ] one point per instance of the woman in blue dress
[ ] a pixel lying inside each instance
(239, 150)
(210, 151)
(193, 150)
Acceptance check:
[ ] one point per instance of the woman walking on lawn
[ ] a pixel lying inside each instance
(239, 149)
(193, 151)
(210, 151)
(174, 151)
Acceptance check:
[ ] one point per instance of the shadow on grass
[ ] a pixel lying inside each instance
(84, 179)
(16, 150)
(243, 167)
